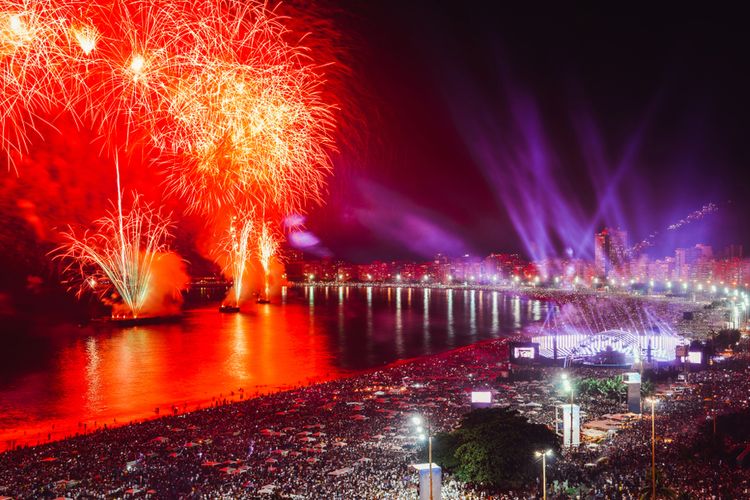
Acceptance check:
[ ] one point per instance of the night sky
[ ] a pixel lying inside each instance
(469, 128)
(632, 116)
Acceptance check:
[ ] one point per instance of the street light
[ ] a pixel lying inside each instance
(568, 387)
(653, 402)
(418, 421)
(544, 455)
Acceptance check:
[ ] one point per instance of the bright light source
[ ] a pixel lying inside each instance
(137, 64)
(87, 37)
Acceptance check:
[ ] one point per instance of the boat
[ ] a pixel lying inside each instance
(262, 300)
(227, 309)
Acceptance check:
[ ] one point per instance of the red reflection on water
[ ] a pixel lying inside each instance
(113, 377)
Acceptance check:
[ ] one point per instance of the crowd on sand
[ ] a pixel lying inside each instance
(354, 438)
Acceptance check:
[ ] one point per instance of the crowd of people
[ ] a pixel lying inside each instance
(354, 438)
(681, 412)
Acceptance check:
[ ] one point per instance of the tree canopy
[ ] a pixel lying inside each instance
(494, 447)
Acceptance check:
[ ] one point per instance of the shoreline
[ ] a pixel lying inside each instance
(346, 438)
(65, 428)
(258, 421)
(24, 438)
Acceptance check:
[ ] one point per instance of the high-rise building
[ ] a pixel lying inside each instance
(610, 248)
(733, 252)
(694, 263)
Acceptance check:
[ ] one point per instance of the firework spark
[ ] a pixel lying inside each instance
(119, 254)
(268, 247)
(236, 250)
(215, 92)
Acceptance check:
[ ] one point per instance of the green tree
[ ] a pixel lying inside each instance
(662, 489)
(494, 447)
(647, 388)
(726, 338)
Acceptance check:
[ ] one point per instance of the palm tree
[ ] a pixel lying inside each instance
(662, 489)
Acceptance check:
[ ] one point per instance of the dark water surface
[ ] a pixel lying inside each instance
(55, 379)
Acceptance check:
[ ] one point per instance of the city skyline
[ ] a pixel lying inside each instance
(329, 249)
(693, 267)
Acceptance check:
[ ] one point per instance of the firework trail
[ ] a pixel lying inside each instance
(697, 215)
(268, 247)
(236, 248)
(218, 93)
(119, 253)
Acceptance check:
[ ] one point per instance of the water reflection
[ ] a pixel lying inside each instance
(426, 313)
(495, 320)
(235, 362)
(472, 314)
(93, 396)
(399, 324)
(100, 374)
(451, 332)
